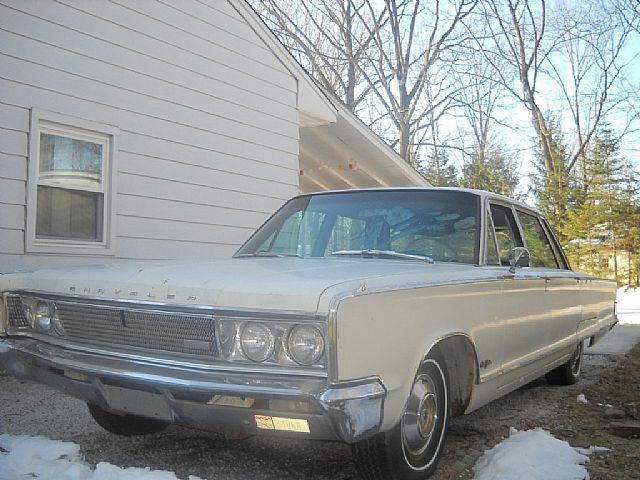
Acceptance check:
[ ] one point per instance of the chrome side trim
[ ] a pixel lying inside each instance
(534, 357)
(416, 285)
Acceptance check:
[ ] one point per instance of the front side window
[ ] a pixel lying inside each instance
(538, 243)
(506, 232)
(71, 176)
(441, 225)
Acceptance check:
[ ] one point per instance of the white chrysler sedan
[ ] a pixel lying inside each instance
(365, 316)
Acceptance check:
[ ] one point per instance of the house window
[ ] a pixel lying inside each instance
(71, 176)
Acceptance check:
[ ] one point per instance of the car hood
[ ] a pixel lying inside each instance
(291, 284)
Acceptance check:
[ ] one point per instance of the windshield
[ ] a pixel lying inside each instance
(435, 225)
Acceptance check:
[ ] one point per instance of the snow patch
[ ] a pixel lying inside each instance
(582, 399)
(532, 455)
(38, 457)
(628, 305)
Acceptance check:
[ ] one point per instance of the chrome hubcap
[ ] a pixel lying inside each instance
(427, 416)
(421, 416)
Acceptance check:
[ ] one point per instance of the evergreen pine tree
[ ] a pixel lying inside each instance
(439, 172)
(490, 170)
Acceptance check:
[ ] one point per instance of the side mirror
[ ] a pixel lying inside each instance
(518, 258)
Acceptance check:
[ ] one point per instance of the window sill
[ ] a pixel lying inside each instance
(67, 247)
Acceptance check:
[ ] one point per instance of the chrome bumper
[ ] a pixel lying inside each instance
(192, 397)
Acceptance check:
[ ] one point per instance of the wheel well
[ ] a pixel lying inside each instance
(460, 360)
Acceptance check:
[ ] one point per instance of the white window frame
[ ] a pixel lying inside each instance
(80, 129)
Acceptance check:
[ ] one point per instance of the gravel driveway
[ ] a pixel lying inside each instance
(30, 409)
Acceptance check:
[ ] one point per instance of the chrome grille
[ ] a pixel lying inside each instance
(15, 313)
(148, 329)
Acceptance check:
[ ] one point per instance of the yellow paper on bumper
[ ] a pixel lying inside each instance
(266, 422)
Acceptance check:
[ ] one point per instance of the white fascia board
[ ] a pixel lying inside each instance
(353, 125)
(314, 105)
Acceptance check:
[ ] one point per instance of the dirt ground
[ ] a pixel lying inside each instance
(611, 385)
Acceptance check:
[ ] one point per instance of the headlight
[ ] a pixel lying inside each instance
(44, 312)
(258, 341)
(305, 344)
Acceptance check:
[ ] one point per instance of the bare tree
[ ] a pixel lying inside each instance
(480, 93)
(518, 30)
(407, 56)
(328, 37)
(378, 56)
(589, 67)
(576, 45)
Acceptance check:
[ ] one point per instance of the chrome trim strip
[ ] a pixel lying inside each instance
(332, 330)
(159, 375)
(211, 367)
(4, 317)
(227, 312)
(519, 363)
(435, 283)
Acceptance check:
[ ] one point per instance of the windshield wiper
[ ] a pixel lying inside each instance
(383, 253)
(264, 253)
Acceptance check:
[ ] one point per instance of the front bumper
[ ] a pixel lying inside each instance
(219, 401)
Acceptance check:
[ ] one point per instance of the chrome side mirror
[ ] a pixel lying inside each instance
(518, 258)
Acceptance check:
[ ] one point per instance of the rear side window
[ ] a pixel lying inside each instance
(556, 246)
(506, 232)
(538, 243)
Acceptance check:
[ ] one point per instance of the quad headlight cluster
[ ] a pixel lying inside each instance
(272, 342)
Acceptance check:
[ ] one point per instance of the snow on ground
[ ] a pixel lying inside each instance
(38, 457)
(533, 455)
(582, 399)
(525, 455)
(628, 300)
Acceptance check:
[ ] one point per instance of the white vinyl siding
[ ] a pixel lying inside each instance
(207, 118)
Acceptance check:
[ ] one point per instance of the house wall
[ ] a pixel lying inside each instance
(206, 114)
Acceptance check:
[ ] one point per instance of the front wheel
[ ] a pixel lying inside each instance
(410, 451)
(567, 373)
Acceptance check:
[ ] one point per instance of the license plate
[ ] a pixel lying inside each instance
(137, 402)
